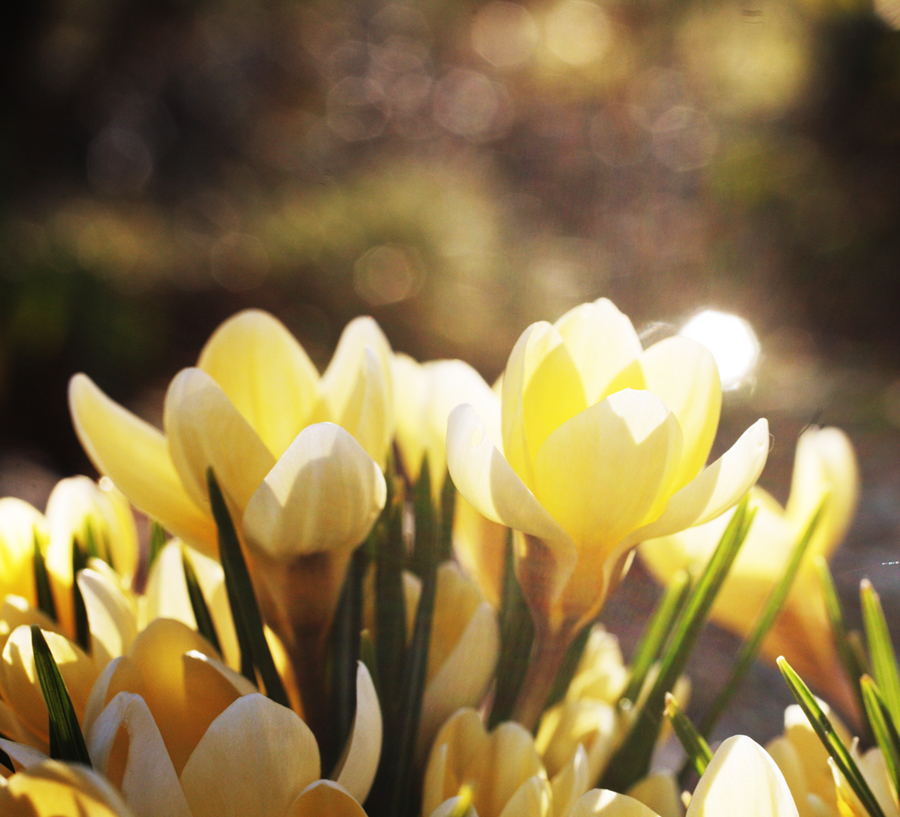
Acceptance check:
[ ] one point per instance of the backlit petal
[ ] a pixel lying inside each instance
(265, 373)
(135, 456)
(325, 798)
(357, 769)
(599, 802)
(111, 620)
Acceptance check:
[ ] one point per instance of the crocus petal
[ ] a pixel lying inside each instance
(205, 430)
(255, 758)
(685, 375)
(20, 523)
(265, 373)
(605, 347)
(542, 388)
(742, 780)
(357, 768)
(716, 488)
(570, 783)
(110, 618)
(22, 755)
(660, 792)
(410, 394)
(325, 797)
(479, 545)
(506, 761)
(126, 746)
(324, 493)
(610, 804)
(532, 799)
(484, 477)
(135, 456)
(601, 473)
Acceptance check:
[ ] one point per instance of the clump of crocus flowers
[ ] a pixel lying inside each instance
(377, 591)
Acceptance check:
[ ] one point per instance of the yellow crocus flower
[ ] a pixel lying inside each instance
(239, 411)
(824, 469)
(603, 446)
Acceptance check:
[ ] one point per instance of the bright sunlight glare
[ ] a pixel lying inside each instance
(731, 340)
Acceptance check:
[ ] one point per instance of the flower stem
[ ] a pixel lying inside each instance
(547, 657)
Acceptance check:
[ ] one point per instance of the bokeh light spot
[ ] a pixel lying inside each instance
(731, 340)
(504, 33)
(578, 32)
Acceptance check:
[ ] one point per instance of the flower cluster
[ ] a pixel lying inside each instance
(325, 623)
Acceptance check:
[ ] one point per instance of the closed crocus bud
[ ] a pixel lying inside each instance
(603, 445)
(252, 392)
(824, 470)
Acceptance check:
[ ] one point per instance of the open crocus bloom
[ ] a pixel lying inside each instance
(239, 411)
(603, 446)
(824, 469)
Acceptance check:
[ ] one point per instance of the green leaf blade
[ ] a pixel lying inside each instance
(205, 625)
(881, 649)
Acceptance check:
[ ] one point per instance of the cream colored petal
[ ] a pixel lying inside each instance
(324, 493)
(785, 755)
(601, 473)
(410, 395)
(742, 780)
(204, 430)
(659, 791)
(338, 380)
(325, 798)
(576, 722)
(19, 523)
(479, 545)
(457, 743)
(532, 799)
(126, 746)
(570, 783)
(485, 479)
(685, 375)
(204, 672)
(716, 488)
(13, 728)
(371, 421)
(542, 388)
(265, 373)
(111, 621)
(435, 784)
(22, 755)
(502, 765)
(464, 675)
(825, 463)
(255, 758)
(135, 456)
(610, 804)
(99, 696)
(605, 347)
(124, 547)
(16, 611)
(356, 769)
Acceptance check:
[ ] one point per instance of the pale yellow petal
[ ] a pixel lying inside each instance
(503, 763)
(20, 523)
(479, 545)
(265, 373)
(324, 493)
(325, 798)
(483, 476)
(684, 374)
(135, 456)
(110, 618)
(659, 791)
(410, 396)
(570, 783)
(601, 473)
(610, 804)
(22, 755)
(532, 799)
(124, 548)
(716, 488)
(605, 347)
(542, 388)
(356, 770)
(255, 758)
(126, 746)
(575, 722)
(742, 780)
(205, 430)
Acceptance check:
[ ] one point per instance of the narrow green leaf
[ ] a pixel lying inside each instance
(881, 649)
(367, 656)
(45, 601)
(884, 729)
(656, 632)
(157, 540)
(448, 508)
(631, 761)
(751, 646)
(830, 740)
(516, 639)
(66, 740)
(695, 745)
(90, 542)
(851, 657)
(205, 625)
(248, 622)
(427, 523)
(82, 627)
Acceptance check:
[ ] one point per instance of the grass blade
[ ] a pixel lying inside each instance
(656, 632)
(45, 601)
(751, 646)
(66, 740)
(884, 729)
(881, 649)
(695, 745)
(830, 740)
(248, 622)
(205, 625)
(631, 761)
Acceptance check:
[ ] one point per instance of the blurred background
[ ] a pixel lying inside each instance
(458, 170)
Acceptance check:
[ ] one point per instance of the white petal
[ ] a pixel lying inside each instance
(357, 768)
